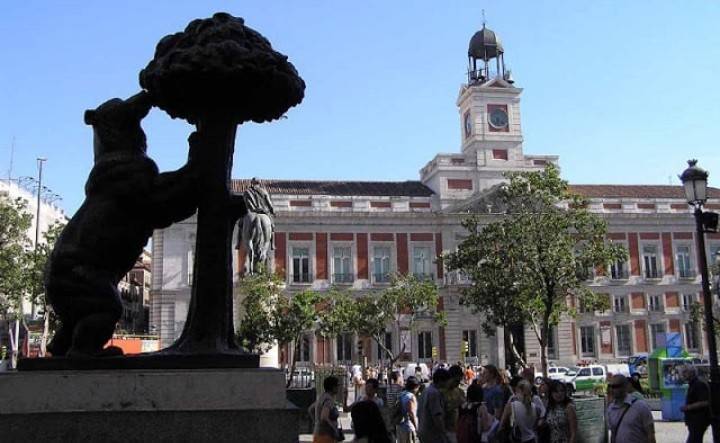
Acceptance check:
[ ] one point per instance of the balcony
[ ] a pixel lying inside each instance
(619, 274)
(687, 274)
(381, 277)
(424, 277)
(301, 278)
(652, 274)
(343, 278)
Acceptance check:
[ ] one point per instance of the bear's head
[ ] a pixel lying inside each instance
(116, 125)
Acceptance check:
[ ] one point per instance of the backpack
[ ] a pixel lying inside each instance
(397, 414)
(467, 425)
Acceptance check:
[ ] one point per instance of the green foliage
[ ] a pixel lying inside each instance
(337, 314)
(259, 298)
(294, 315)
(15, 255)
(525, 265)
(407, 299)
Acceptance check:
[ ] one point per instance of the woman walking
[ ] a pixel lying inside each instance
(521, 414)
(326, 413)
(560, 418)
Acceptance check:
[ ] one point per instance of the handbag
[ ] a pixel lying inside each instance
(340, 434)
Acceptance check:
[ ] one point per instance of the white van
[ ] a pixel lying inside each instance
(554, 373)
(585, 378)
(410, 372)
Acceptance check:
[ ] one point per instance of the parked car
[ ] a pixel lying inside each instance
(554, 373)
(585, 378)
(410, 372)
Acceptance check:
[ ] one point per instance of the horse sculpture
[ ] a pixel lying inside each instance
(255, 228)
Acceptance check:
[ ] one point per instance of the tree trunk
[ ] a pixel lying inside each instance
(393, 357)
(209, 327)
(510, 344)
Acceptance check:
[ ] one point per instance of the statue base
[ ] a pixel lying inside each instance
(207, 405)
(152, 360)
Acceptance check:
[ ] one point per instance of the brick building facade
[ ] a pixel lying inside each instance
(353, 234)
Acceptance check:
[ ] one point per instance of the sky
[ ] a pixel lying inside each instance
(624, 92)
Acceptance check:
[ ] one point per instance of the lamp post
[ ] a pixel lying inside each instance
(40, 161)
(694, 181)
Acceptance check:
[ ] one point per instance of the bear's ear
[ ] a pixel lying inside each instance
(89, 117)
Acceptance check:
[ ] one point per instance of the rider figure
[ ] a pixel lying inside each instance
(257, 200)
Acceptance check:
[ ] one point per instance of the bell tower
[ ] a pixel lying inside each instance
(490, 131)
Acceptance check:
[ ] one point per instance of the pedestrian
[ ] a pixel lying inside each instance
(326, 429)
(521, 414)
(454, 398)
(493, 392)
(469, 375)
(635, 389)
(358, 383)
(393, 389)
(475, 424)
(406, 429)
(368, 422)
(372, 386)
(431, 411)
(560, 417)
(629, 418)
(697, 405)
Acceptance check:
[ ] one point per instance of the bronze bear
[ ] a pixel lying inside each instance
(126, 198)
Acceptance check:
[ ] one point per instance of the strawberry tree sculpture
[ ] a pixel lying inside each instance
(217, 74)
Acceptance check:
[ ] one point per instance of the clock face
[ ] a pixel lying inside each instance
(468, 125)
(498, 118)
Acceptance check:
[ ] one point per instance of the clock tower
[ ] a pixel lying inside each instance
(490, 129)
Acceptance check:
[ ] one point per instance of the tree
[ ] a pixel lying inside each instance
(40, 257)
(217, 74)
(293, 316)
(529, 264)
(406, 300)
(337, 313)
(15, 260)
(260, 294)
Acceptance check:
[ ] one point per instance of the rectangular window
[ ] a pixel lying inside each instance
(500, 154)
(688, 300)
(342, 265)
(381, 264)
(650, 261)
(587, 341)
(301, 265)
(618, 270)
(624, 348)
(682, 260)
(425, 344)
(343, 346)
(381, 354)
(654, 302)
(304, 354)
(470, 337)
(692, 337)
(421, 263)
(655, 329)
(620, 304)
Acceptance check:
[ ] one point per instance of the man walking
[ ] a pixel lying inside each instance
(697, 405)
(629, 418)
(432, 409)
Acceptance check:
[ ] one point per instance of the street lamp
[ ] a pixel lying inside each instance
(694, 181)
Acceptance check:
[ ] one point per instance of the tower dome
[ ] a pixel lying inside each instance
(485, 45)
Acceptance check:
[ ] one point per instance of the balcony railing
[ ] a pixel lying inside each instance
(619, 274)
(686, 273)
(343, 278)
(301, 278)
(424, 277)
(652, 274)
(382, 277)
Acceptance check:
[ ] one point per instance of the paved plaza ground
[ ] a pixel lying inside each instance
(665, 432)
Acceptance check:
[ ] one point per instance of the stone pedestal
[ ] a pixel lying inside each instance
(208, 405)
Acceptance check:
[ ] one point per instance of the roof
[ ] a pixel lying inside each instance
(409, 188)
(485, 45)
(635, 191)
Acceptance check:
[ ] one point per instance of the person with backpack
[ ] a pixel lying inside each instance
(475, 424)
(404, 413)
(521, 414)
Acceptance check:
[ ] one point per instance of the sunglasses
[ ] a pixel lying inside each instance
(616, 386)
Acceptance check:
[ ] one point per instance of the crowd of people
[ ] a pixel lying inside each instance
(494, 408)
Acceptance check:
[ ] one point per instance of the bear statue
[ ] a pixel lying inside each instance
(126, 198)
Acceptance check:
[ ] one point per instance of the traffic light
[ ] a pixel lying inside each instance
(465, 348)
(434, 352)
(360, 347)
